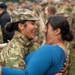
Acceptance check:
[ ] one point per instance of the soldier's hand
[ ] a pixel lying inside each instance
(65, 66)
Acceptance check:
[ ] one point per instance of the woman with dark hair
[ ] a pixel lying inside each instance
(49, 58)
(22, 44)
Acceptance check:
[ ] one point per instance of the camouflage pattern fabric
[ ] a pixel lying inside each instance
(22, 14)
(72, 25)
(14, 53)
(41, 27)
(72, 20)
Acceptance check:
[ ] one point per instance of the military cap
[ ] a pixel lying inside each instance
(3, 5)
(20, 15)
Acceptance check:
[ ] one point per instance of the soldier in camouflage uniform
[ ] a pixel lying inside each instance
(72, 24)
(22, 44)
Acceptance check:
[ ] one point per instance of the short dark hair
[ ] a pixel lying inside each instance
(3, 5)
(62, 23)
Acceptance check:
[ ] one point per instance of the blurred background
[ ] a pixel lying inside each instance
(63, 7)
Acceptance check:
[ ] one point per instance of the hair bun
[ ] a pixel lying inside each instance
(69, 36)
(9, 27)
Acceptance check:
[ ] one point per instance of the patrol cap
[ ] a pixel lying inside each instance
(3, 5)
(23, 14)
(20, 15)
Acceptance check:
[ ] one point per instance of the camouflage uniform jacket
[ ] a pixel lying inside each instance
(14, 53)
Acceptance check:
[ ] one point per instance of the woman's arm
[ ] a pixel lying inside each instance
(9, 71)
(38, 64)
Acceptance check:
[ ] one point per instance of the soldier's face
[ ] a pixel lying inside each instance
(30, 29)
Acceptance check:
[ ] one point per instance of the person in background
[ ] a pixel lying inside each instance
(50, 10)
(10, 7)
(4, 18)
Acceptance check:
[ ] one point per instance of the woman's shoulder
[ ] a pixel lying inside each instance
(48, 46)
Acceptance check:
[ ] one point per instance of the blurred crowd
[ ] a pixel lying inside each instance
(45, 9)
(42, 10)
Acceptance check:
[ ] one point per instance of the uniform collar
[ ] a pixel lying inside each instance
(22, 39)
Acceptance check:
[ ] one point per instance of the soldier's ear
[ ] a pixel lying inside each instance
(20, 26)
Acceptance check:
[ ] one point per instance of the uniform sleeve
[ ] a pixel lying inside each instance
(39, 63)
(12, 56)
